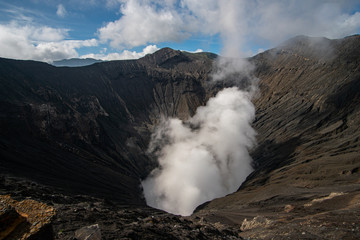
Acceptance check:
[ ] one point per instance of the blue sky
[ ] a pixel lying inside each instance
(48, 30)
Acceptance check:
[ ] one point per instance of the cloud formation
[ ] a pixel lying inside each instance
(148, 22)
(61, 11)
(144, 22)
(40, 43)
(126, 54)
(278, 20)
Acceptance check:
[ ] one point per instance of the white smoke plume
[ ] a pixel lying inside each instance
(207, 156)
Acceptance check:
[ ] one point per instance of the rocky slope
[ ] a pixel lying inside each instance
(306, 178)
(81, 134)
(86, 130)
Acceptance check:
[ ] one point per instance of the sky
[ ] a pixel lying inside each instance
(48, 30)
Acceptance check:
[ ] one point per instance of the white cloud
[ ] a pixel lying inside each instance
(144, 22)
(45, 33)
(123, 55)
(61, 11)
(50, 51)
(345, 25)
(278, 20)
(40, 43)
(260, 50)
(196, 51)
(113, 3)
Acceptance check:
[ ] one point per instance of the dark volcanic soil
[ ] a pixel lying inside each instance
(306, 178)
(115, 221)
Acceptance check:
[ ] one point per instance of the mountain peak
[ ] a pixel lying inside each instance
(164, 57)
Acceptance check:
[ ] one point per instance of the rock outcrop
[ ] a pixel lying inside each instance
(27, 219)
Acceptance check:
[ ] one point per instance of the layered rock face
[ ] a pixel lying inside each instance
(86, 130)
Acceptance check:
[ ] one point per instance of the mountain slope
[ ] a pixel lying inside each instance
(86, 130)
(308, 143)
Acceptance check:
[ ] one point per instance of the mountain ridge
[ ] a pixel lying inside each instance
(75, 62)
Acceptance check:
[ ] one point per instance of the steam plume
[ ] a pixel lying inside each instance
(204, 163)
(207, 156)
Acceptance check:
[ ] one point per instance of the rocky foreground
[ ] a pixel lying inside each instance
(61, 216)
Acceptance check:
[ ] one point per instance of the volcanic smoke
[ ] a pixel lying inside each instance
(207, 156)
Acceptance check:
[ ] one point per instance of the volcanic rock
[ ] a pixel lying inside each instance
(10, 219)
(86, 130)
(27, 219)
(307, 119)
